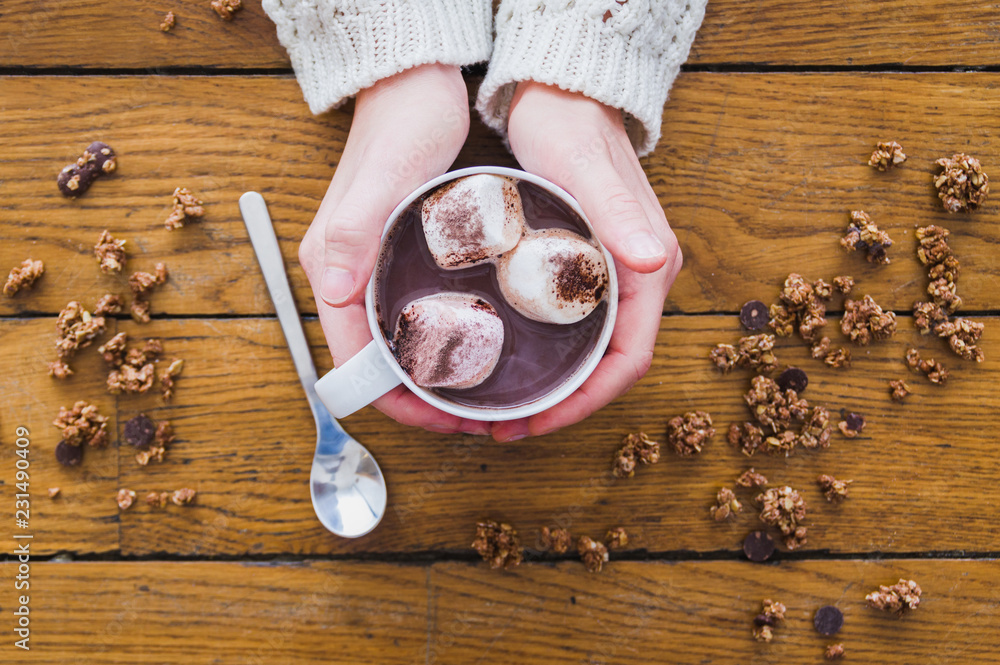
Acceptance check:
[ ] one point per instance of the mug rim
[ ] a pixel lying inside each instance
(546, 401)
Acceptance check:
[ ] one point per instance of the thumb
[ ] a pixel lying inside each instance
(351, 242)
(619, 218)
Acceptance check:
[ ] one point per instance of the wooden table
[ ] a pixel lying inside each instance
(766, 138)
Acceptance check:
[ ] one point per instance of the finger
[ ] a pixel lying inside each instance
(619, 218)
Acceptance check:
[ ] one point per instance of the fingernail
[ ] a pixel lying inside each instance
(336, 286)
(644, 245)
(441, 429)
(516, 437)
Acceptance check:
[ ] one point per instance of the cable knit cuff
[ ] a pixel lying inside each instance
(622, 54)
(338, 47)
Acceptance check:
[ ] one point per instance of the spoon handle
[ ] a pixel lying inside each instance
(265, 245)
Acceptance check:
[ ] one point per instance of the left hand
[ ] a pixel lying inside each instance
(581, 145)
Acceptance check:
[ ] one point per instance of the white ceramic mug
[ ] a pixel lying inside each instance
(373, 371)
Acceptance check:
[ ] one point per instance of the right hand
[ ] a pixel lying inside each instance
(406, 129)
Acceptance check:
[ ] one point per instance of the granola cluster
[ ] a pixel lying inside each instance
(962, 334)
(226, 8)
(942, 266)
(23, 276)
(132, 369)
(844, 284)
(498, 544)
(181, 497)
(902, 596)
(83, 424)
(932, 369)
(862, 234)
(887, 155)
(852, 424)
(834, 490)
(108, 305)
(962, 185)
(616, 538)
(186, 207)
(773, 407)
(594, 554)
(156, 448)
(168, 22)
(898, 390)
(865, 321)
(784, 508)
(834, 651)
(556, 540)
(77, 328)
(110, 253)
(637, 448)
(836, 358)
(125, 498)
(726, 505)
(802, 307)
(141, 283)
(754, 351)
(771, 614)
(751, 478)
(687, 434)
(776, 409)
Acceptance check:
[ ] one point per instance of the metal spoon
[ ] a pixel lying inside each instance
(347, 487)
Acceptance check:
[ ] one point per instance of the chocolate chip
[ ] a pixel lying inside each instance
(754, 315)
(793, 378)
(855, 421)
(764, 620)
(758, 546)
(828, 620)
(68, 454)
(139, 431)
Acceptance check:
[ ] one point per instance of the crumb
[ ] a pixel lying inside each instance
(898, 598)
(23, 276)
(133, 372)
(636, 448)
(108, 304)
(186, 207)
(834, 490)
(616, 538)
(771, 614)
(754, 351)
(687, 434)
(113, 351)
(125, 498)
(862, 234)
(54, 492)
(865, 321)
(183, 496)
(498, 544)
(844, 284)
(593, 554)
(110, 253)
(167, 377)
(816, 430)
(784, 508)
(226, 8)
(82, 424)
(726, 505)
(98, 159)
(887, 155)
(158, 499)
(168, 22)
(834, 651)
(748, 437)
(898, 390)
(962, 185)
(59, 369)
(141, 283)
(750, 478)
(934, 371)
(556, 540)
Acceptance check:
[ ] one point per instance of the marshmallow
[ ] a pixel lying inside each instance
(553, 276)
(472, 220)
(448, 340)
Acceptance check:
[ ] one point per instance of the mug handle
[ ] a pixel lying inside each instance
(358, 382)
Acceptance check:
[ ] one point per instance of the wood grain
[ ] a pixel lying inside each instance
(159, 612)
(757, 174)
(923, 470)
(89, 33)
(633, 612)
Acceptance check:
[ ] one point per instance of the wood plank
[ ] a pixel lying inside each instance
(160, 612)
(245, 442)
(702, 612)
(757, 175)
(83, 518)
(775, 32)
(633, 612)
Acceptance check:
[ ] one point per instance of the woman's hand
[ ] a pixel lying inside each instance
(406, 130)
(581, 145)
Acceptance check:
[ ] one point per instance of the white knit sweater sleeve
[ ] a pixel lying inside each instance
(622, 53)
(338, 47)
